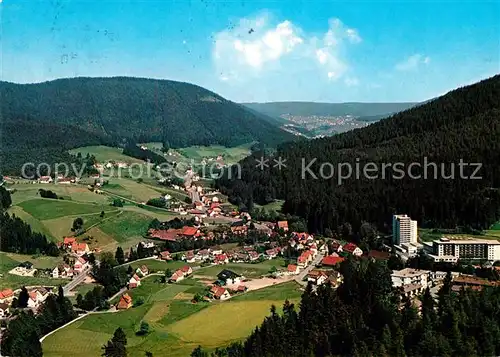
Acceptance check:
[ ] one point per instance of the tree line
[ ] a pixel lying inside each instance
(365, 317)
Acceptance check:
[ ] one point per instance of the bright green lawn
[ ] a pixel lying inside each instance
(46, 208)
(126, 226)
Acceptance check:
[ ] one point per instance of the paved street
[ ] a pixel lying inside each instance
(76, 280)
(299, 278)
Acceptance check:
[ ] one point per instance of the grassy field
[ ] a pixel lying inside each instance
(79, 193)
(46, 208)
(177, 325)
(9, 261)
(125, 226)
(105, 153)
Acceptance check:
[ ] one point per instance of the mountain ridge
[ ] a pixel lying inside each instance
(154, 110)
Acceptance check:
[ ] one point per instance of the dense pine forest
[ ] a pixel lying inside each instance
(363, 318)
(461, 125)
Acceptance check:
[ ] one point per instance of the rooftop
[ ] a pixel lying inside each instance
(465, 240)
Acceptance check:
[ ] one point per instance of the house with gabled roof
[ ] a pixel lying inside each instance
(125, 302)
(186, 270)
(219, 293)
(178, 275)
(352, 249)
(80, 248)
(142, 270)
(317, 277)
(134, 282)
(80, 265)
(189, 232)
(221, 259)
(165, 255)
(190, 258)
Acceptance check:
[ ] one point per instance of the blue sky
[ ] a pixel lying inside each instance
(332, 51)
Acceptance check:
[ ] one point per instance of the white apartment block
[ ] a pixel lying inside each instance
(404, 229)
(408, 277)
(451, 250)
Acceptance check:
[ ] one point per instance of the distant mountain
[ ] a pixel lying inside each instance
(39, 121)
(277, 109)
(311, 119)
(140, 109)
(421, 161)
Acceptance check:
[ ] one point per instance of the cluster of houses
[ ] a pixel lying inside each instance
(59, 179)
(36, 297)
(67, 271)
(72, 245)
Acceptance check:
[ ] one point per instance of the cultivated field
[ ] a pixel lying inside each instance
(177, 325)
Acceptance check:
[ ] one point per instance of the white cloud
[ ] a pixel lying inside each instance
(413, 62)
(255, 46)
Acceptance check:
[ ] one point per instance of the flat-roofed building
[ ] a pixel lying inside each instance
(450, 249)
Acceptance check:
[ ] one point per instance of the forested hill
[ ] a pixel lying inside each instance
(181, 114)
(461, 125)
(276, 109)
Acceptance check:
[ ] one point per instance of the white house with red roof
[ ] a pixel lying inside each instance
(219, 293)
(272, 253)
(165, 255)
(186, 270)
(221, 259)
(134, 282)
(178, 275)
(352, 249)
(317, 277)
(190, 257)
(80, 248)
(142, 271)
(80, 265)
(304, 259)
